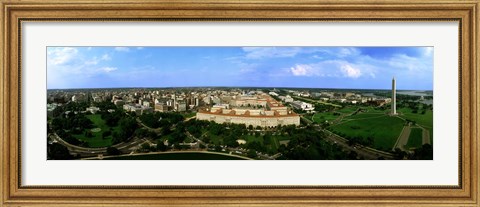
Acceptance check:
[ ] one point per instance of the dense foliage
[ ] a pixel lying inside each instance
(157, 119)
(57, 151)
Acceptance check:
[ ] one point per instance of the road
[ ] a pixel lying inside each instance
(231, 149)
(362, 151)
(125, 147)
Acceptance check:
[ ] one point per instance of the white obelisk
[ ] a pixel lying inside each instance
(394, 97)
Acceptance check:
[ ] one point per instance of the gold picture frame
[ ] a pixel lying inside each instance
(14, 12)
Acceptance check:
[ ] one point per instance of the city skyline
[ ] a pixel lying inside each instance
(287, 67)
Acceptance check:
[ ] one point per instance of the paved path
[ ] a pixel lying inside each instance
(402, 138)
(425, 136)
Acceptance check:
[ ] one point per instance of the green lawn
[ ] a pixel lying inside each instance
(415, 138)
(325, 116)
(384, 130)
(330, 116)
(252, 138)
(188, 115)
(274, 140)
(215, 139)
(425, 120)
(365, 115)
(97, 140)
(282, 137)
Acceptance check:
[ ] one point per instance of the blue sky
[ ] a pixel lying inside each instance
(310, 67)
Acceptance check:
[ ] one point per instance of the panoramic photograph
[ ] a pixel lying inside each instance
(239, 103)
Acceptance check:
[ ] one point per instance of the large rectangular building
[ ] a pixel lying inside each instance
(270, 114)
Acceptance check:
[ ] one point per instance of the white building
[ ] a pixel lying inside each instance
(273, 93)
(302, 106)
(78, 97)
(93, 109)
(137, 108)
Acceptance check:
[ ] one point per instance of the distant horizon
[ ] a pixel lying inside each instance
(167, 87)
(288, 67)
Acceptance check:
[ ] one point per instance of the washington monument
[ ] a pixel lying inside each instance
(394, 98)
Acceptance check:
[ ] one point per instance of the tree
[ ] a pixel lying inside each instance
(113, 151)
(230, 141)
(128, 126)
(105, 134)
(116, 137)
(161, 146)
(266, 139)
(88, 133)
(145, 147)
(352, 155)
(399, 154)
(57, 151)
(252, 153)
(423, 153)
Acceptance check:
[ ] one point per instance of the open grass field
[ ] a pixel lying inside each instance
(376, 123)
(383, 129)
(177, 156)
(188, 115)
(275, 143)
(332, 115)
(415, 138)
(424, 120)
(365, 115)
(325, 116)
(252, 138)
(274, 140)
(97, 140)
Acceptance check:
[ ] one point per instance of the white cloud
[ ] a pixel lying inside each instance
(61, 55)
(106, 57)
(122, 49)
(93, 61)
(318, 57)
(347, 51)
(108, 69)
(69, 64)
(331, 68)
(270, 52)
(405, 62)
(427, 51)
(350, 71)
(302, 70)
(139, 48)
(282, 52)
